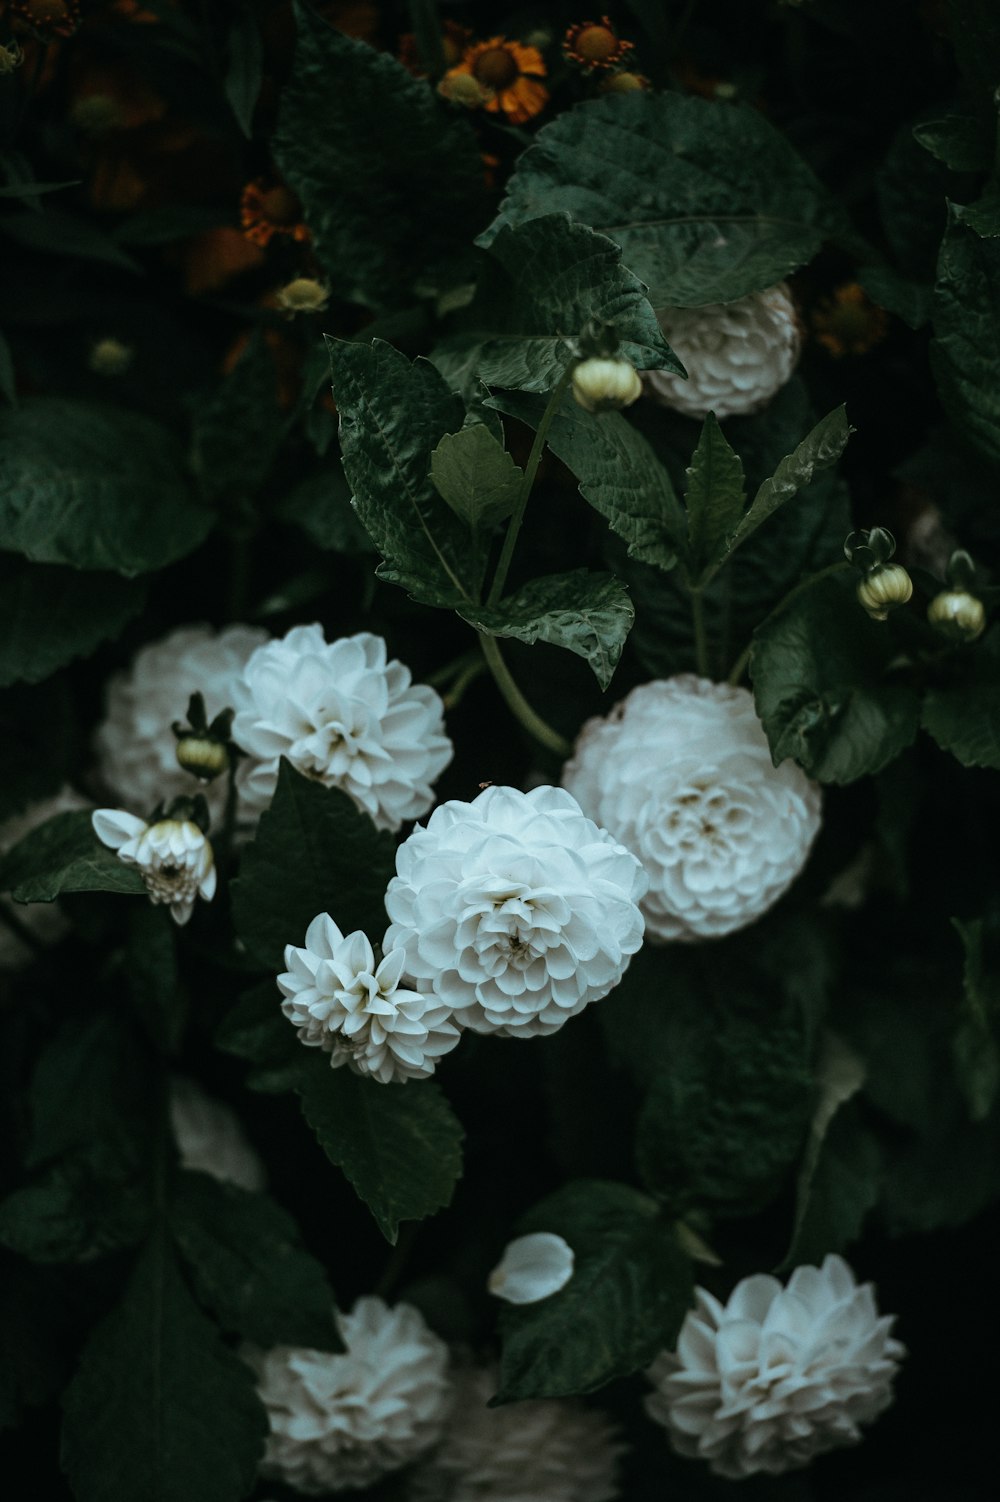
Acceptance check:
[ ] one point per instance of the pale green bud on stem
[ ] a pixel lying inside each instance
(604, 385)
(957, 615)
(886, 586)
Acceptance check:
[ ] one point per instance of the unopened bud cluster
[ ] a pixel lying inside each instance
(956, 612)
(884, 585)
(204, 750)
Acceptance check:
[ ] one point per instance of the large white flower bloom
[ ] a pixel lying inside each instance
(681, 773)
(340, 1422)
(136, 748)
(210, 1139)
(359, 1010)
(516, 909)
(550, 1450)
(344, 715)
(172, 856)
(737, 354)
(43, 920)
(777, 1375)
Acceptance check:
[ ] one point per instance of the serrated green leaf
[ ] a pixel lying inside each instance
(393, 414)
(963, 712)
(390, 180)
(957, 140)
(50, 616)
(64, 855)
(965, 350)
(238, 426)
(546, 278)
(248, 1267)
(256, 1030)
(983, 215)
(95, 487)
(154, 1395)
(587, 613)
(619, 475)
(630, 1289)
(314, 852)
(476, 476)
(714, 497)
(706, 199)
(399, 1145)
(243, 69)
(819, 669)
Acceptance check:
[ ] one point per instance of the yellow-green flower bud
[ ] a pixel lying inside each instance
(883, 588)
(110, 357)
(604, 385)
(204, 757)
(957, 614)
(303, 295)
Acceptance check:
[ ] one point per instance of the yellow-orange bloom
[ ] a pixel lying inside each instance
(508, 74)
(266, 211)
(595, 44)
(848, 322)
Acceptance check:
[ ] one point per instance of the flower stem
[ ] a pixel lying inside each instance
(528, 480)
(518, 704)
(456, 693)
(740, 665)
(700, 637)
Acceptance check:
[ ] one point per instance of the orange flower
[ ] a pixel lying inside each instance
(49, 18)
(508, 74)
(211, 260)
(595, 44)
(848, 322)
(269, 210)
(454, 40)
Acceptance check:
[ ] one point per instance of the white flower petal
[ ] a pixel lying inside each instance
(532, 1267)
(115, 828)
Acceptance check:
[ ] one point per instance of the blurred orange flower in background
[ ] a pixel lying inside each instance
(507, 73)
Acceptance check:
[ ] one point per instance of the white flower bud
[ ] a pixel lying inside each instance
(172, 856)
(884, 588)
(532, 1267)
(605, 385)
(957, 614)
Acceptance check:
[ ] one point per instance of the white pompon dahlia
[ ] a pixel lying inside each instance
(737, 354)
(681, 773)
(515, 909)
(209, 1137)
(344, 715)
(172, 856)
(548, 1450)
(42, 920)
(342, 999)
(777, 1375)
(342, 1421)
(136, 747)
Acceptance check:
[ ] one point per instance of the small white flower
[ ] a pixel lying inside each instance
(532, 1267)
(549, 1450)
(344, 715)
(341, 999)
(681, 773)
(777, 1375)
(342, 1421)
(515, 909)
(737, 354)
(209, 1137)
(43, 920)
(172, 856)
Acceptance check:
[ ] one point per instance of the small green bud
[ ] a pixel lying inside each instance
(201, 755)
(957, 615)
(883, 588)
(601, 385)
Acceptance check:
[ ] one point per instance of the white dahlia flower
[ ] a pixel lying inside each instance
(341, 999)
(515, 909)
(777, 1375)
(209, 1137)
(42, 920)
(532, 1267)
(737, 354)
(172, 856)
(136, 746)
(342, 1421)
(344, 715)
(681, 773)
(548, 1450)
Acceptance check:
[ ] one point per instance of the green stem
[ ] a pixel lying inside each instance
(739, 666)
(528, 480)
(700, 636)
(456, 693)
(518, 704)
(453, 670)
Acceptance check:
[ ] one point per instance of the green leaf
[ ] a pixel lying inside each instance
(314, 852)
(965, 350)
(958, 141)
(840, 1073)
(321, 506)
(390, 180)
(546, 279)
(476, 476)
(587, 613)
(95, 487)
(160, 1407)
(619, 475)
(983, 216)
(151, 975)
(31, 1351)
(64, 855)
(8, 380)
(714, 497)
(908, 300)
(255, 1029)
(820, 677)
(238, 427)
(243, 70)
(393, 414)
(974, 1047)
(844, 1186)
(98, 1063)
(630, 1289)
(90, 1203)
(248, 1268)
(50, 616)
(399, 1145)
(60, 233)
(707, 200)
(912, 189)
(962, 713)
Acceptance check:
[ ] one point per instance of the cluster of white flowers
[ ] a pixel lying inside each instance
(209, 1138)
(777, 1375)
(172, 856)
(342, 1421)
(42, 920)
(737, 354)
(681, 773)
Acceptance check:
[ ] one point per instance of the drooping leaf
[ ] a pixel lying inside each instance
(314, 852)
(50, 616)
(840, 1073)
(399, 1145)
(587, 613)
(64, 855)
(707, 200)
(155, 1392)
(630, 1289)
(95, 487)
(476, 476)
(843, 1188)
(714, 495)
(243, 69)
(965, 350)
